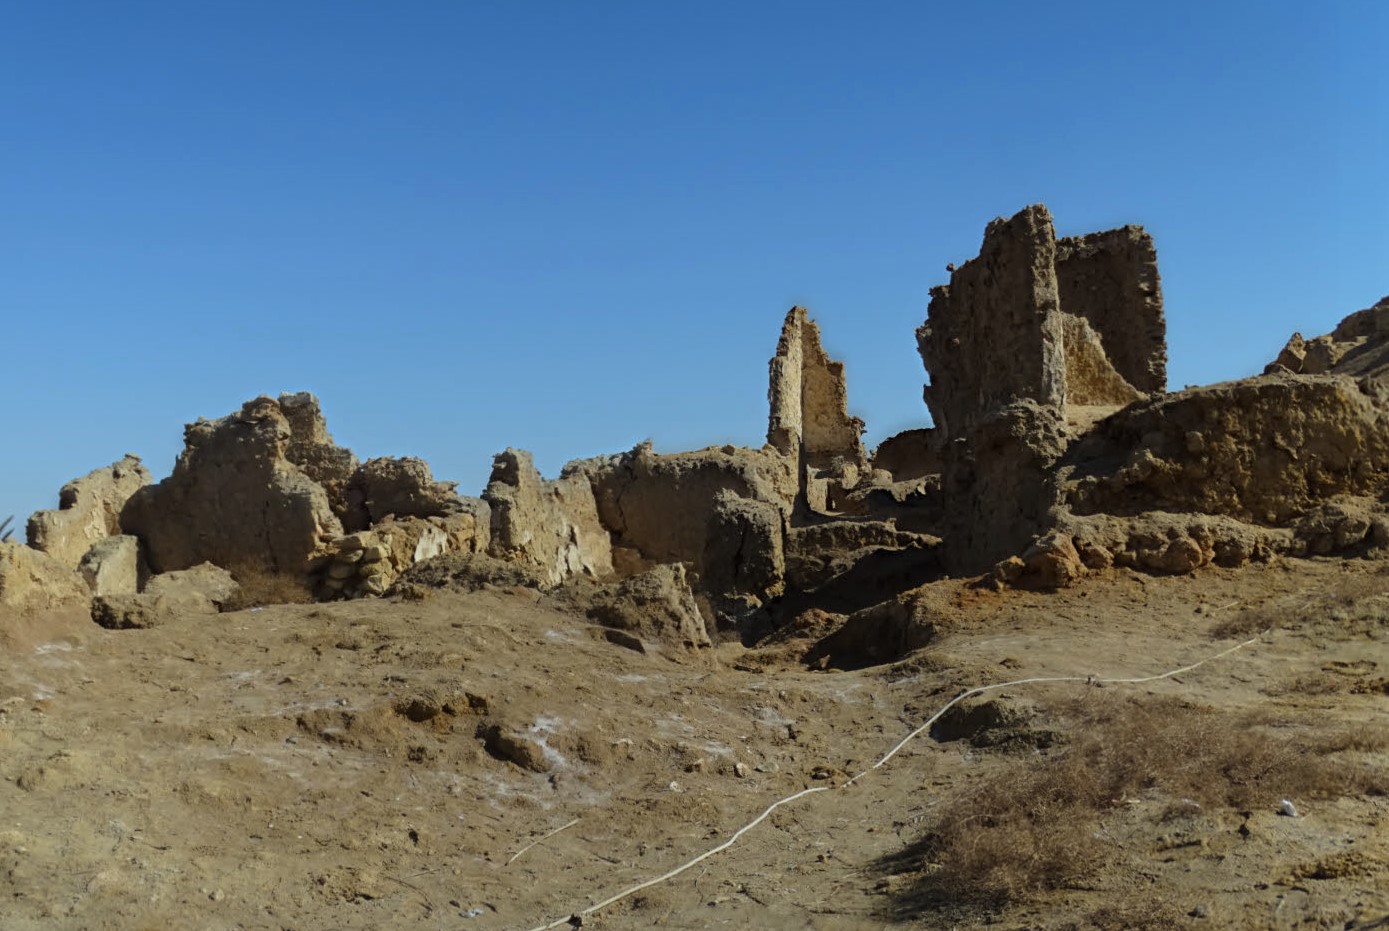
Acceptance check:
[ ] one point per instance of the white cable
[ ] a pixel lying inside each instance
(979, 690)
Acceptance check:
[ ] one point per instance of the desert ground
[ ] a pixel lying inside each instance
(491, 760)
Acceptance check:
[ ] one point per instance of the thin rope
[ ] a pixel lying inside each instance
(978, 690)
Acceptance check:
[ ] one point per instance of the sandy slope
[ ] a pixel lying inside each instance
(317, 767)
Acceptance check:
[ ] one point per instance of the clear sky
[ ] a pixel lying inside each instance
(569, 227)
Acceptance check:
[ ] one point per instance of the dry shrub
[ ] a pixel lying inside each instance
(1148, 915)
(1034, 826)
(262, 585)
(1357, 607)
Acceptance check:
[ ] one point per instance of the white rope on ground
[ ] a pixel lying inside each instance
(540, 840)
(979, 690)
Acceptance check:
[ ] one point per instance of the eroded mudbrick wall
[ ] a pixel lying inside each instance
(1111, 279)
(809, 400)
(994, 335)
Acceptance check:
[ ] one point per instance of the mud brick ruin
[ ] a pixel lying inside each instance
(1055, 451)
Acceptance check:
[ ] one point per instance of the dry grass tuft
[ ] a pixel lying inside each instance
(1359, 606)
(1035, 826)
(262, 585)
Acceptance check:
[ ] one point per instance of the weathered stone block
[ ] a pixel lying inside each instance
(113, 566)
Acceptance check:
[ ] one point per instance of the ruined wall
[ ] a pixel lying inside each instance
(1000, 485)
(1111, 280)
(312, 449)
(1358, 346)
(809, 400)
(1262, 450)
(31, 580)
(403, 487)
(89, 510)
(660, 506)
(908, 455)
(994, 334)
(1091, 379)
(234, 498)
(552, 526)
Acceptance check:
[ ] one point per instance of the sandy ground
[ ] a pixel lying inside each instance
(328, 766)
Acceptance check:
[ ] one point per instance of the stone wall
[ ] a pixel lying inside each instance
(1262, 450)
(908, 455)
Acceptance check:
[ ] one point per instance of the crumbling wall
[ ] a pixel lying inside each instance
(993, 335)
(659, 506)
(1000, 485)
(1027, 345)
(89, 510)
(552, 526)
(1263, 450)
(31, 580)
(368, 562)
(114, 566)
(1358, 346)
(312, 449)
(808, 398)
(403, 487)
(911, 454)
(234, 498)
(1091, 378)
(1111, 280)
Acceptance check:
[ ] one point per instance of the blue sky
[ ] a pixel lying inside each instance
(569, 227)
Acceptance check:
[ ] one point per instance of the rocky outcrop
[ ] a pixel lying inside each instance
(809, 401)
(89, 510)
(552, 526)
(234, 497)
(32, 581)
